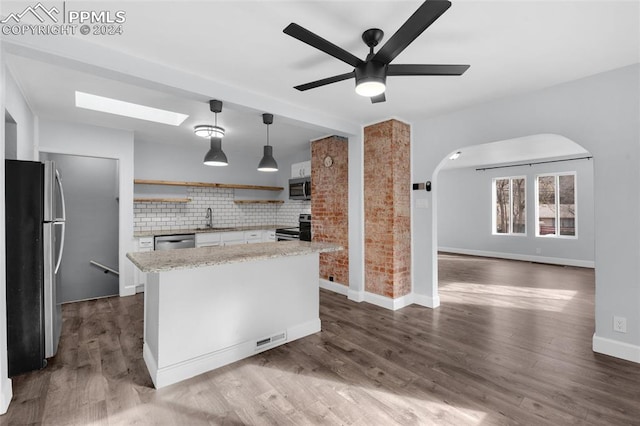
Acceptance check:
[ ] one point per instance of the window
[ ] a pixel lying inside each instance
(509, 206)
(556, 212)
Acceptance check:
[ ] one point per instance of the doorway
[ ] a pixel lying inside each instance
(91, 237)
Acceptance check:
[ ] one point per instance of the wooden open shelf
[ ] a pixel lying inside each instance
(258, 201)
(206, 184)
(162, 200)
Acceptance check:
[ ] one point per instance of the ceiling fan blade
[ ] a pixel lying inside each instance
(379, 98)
(314, 40)
(414, 69)
(325, 81)
(410, 30)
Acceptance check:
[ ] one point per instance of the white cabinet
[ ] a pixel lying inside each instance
(301, 169)
(253, 236)
(233, 238)
(269, 235)
(209, 239)
(140, 278)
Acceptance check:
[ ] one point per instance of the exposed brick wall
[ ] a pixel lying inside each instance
(330, 205)
(387, 208)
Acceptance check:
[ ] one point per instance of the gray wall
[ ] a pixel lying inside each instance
(90, 186)
(602, 114)
(465, 216)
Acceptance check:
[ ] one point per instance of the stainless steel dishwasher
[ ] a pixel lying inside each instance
(170, 242)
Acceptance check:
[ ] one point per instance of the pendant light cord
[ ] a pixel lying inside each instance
(267, 135)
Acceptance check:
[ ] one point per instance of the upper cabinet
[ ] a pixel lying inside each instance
(302, 169)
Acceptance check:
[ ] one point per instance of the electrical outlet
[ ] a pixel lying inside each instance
(620, 324)
(331, 278)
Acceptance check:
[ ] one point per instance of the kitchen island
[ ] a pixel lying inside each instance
(211, 306)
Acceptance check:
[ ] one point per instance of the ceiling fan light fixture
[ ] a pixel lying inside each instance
(370, 79)
(208, 131)
(215, 156)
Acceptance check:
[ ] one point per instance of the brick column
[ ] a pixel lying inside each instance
(387, 209)
(330, 205)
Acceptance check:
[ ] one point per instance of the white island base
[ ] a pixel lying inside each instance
(203, 318)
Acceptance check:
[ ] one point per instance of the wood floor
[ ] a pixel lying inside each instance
(510, 344)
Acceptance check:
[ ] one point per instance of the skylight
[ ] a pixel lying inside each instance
(128, 109)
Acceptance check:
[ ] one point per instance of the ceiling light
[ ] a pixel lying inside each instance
(268, 163)
(215, 156)
(207, 130)
(128, 109)
(370, 79)
(455, 155)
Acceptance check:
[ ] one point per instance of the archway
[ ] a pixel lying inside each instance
(464, 202)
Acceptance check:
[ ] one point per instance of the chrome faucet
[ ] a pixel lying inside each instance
(209, 218)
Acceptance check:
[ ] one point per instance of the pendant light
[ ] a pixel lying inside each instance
(215, 156)
(268, 163)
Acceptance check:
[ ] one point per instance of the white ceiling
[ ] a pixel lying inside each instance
(512, 46)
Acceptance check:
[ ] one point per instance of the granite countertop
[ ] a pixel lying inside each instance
(171, 260)
(154, 233)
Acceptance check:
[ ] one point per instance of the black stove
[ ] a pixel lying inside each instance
(302, 232)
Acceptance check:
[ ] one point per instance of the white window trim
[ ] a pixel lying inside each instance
(557, 197)
(493, 207)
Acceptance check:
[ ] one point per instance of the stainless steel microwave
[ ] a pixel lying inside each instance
(300, 188)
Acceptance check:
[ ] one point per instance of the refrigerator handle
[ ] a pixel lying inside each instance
(64, 209)
(55, 271)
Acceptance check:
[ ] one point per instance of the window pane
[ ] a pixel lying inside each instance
(502, 206)
(519, 212)
(546, 205)
(566, 193)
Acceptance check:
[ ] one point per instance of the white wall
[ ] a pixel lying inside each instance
(5, 383)
(184, 163)
(78, 139)
(17, 106)
(602, 114)
(465, 216)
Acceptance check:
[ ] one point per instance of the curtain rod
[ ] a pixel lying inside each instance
(532, 163)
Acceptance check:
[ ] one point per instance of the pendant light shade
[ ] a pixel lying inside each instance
(215, 156)
(268, 163)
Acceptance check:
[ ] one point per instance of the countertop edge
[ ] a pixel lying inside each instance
(226, 255)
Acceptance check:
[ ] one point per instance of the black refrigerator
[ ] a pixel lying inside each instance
(34, 214)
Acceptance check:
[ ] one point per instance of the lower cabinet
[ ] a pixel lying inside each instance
(209, 239)
(269, 235)
(140, 278)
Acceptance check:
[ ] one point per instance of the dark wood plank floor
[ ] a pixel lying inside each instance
(511, 344)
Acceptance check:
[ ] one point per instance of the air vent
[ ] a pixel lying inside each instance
(261, 343)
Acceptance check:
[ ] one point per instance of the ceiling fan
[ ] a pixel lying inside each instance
(371, 74)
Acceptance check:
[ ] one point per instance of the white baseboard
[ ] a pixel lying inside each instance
(387, 302)
(140, 288)
(616, 349)
(128, 291)
(382, 301)
(356, 296)
(426, 301)
(523, 257)
(166, 376)
(334, 286)
(6, 393)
